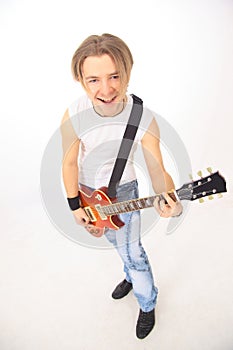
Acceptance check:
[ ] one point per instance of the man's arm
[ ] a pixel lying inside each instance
(70, 145)
(162, 182)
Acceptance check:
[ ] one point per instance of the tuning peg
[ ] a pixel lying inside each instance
(209, 169)
(199, 173)
(210, 197)
(220, 195)
(201, 200)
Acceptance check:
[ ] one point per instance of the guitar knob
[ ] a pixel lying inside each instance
(220, 195)
(199, 173)
(209, 169)
(201, 200)
(191, 176)
(210, 197)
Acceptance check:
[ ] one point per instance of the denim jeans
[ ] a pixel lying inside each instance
(127, 241)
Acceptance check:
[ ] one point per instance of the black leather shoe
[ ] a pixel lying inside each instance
(122, 289)
(145, 323)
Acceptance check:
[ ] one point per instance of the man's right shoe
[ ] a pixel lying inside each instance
(145, 323)
(122, 289)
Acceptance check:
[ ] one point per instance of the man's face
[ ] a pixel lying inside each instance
(102, 84)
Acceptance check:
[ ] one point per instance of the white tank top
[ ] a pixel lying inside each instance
(100, 139)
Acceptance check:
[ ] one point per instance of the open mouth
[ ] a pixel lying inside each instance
(107, 101)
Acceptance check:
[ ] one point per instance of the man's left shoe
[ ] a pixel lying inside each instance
(122, 289)
(145, 323)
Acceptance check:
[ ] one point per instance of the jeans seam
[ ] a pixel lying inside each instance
(127, 239)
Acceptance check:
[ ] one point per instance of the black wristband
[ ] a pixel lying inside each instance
(74, 203)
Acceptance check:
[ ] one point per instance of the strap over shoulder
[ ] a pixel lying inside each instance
(137, 99)
(126, 145)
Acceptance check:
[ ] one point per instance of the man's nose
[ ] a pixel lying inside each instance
(105, 87)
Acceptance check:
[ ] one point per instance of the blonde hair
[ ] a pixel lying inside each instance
(98, 45)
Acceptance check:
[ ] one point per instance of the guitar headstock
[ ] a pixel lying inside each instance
(209, 185)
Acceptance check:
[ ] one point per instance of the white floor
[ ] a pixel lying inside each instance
(55, 294)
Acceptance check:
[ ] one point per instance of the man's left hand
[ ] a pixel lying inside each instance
(169, 209)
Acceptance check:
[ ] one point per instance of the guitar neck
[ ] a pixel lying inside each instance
(99, 207)
(132, 205)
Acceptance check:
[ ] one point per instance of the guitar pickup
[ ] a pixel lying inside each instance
(90, 214)
(100, 212)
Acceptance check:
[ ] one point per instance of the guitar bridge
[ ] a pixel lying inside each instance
(90, 214)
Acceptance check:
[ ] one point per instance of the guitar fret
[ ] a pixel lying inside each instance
(127, 207)
(138, 202)
(114, 207)
(136, 206)
(131, 204)
(143, 202)
(108, 210)
(150, 201)
(122, 207)
(118, 207)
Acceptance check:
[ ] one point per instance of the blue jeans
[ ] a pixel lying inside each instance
(127, 241)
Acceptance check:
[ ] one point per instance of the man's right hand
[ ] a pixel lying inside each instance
(82, 219)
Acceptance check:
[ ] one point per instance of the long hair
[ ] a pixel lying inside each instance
(98, 45)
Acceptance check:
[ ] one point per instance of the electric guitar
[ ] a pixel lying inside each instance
(103, 212)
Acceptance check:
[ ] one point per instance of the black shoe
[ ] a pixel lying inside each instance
(122, 289)
(145, 324)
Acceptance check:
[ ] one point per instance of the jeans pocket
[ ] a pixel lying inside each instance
(127, 191)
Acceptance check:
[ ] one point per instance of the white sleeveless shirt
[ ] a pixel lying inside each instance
(100, 139)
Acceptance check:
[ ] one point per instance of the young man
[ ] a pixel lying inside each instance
(91, 141)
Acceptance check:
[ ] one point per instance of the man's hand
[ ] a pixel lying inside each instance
(169, 209)
(82, 219)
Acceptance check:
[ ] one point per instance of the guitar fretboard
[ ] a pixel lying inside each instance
(133, 204)
(128, 206)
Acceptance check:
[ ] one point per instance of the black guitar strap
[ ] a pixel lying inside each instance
(126, 145)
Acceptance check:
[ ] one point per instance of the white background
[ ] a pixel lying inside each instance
(55, 293)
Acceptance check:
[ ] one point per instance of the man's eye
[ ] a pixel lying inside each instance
(115, 77)
(92, 81)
